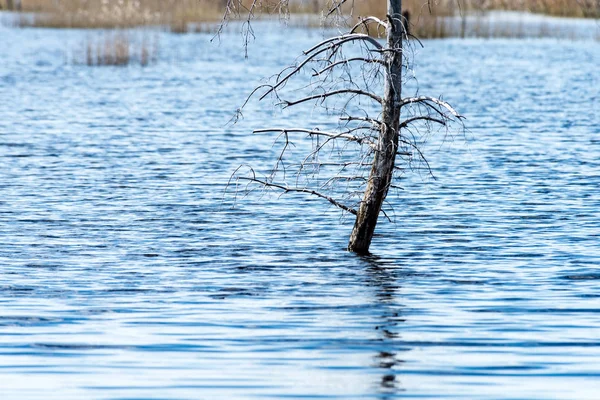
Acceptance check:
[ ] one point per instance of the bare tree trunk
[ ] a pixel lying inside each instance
(385, 154)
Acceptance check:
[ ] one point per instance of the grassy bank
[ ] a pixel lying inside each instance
(431, 20)
(558, 8)
(434, 19)
(178, 15)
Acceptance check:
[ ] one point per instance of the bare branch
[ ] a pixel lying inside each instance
(427, 100)
(409, 121)
(339, 164)
(334, 44)
(417, 39)
(335, 7)
(282, 154)
(301, 190)
(421, 155)
(331, 181)
(346, 61)
(370, 120)
(248, 32)
(313, 132)
(343, 39)
(226, 14)
(363, 152)
(323, 96)
(384, 213)
(365, 22)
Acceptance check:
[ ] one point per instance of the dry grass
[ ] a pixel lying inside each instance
(118, 48)
(433, 19)
(178, 15)
(561, 8)
(428, 19)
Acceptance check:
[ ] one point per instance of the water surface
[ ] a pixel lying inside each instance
(125, 275)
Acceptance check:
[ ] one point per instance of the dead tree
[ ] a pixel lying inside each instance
(352, 68)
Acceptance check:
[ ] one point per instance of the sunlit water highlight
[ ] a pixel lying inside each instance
(124, 275)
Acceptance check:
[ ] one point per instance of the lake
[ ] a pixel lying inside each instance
(127, 271)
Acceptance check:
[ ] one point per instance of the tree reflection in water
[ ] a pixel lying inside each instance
(384, 277)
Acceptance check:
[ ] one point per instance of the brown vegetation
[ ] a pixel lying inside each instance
(560, 8)
(443, 18)
(429, 19)
(179, 15)
(118, 48)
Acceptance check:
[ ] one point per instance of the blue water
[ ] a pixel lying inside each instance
(126, 272)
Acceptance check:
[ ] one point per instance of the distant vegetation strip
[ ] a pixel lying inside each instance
(558, 8)
(433, 19)
(178, 15)
(183, 15)
(446, 18)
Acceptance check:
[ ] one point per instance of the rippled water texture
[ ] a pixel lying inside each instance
(124, 275)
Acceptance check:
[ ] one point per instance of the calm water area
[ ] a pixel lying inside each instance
(127, 273)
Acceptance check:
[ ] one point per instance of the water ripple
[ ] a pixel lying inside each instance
(127, 274)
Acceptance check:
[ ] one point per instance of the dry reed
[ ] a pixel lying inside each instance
(444, 18)
(177, 15)
(118, 48)
(429, 19)
(559, 8)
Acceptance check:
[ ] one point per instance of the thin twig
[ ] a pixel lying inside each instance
(365, 21)
(314, 132)
(427, 100)
(409, 121)
(342, 38)
(346, 61)
(365, 119)
(300, 190)
(323, 96)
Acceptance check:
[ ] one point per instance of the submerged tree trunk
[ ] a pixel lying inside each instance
(382, 171)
